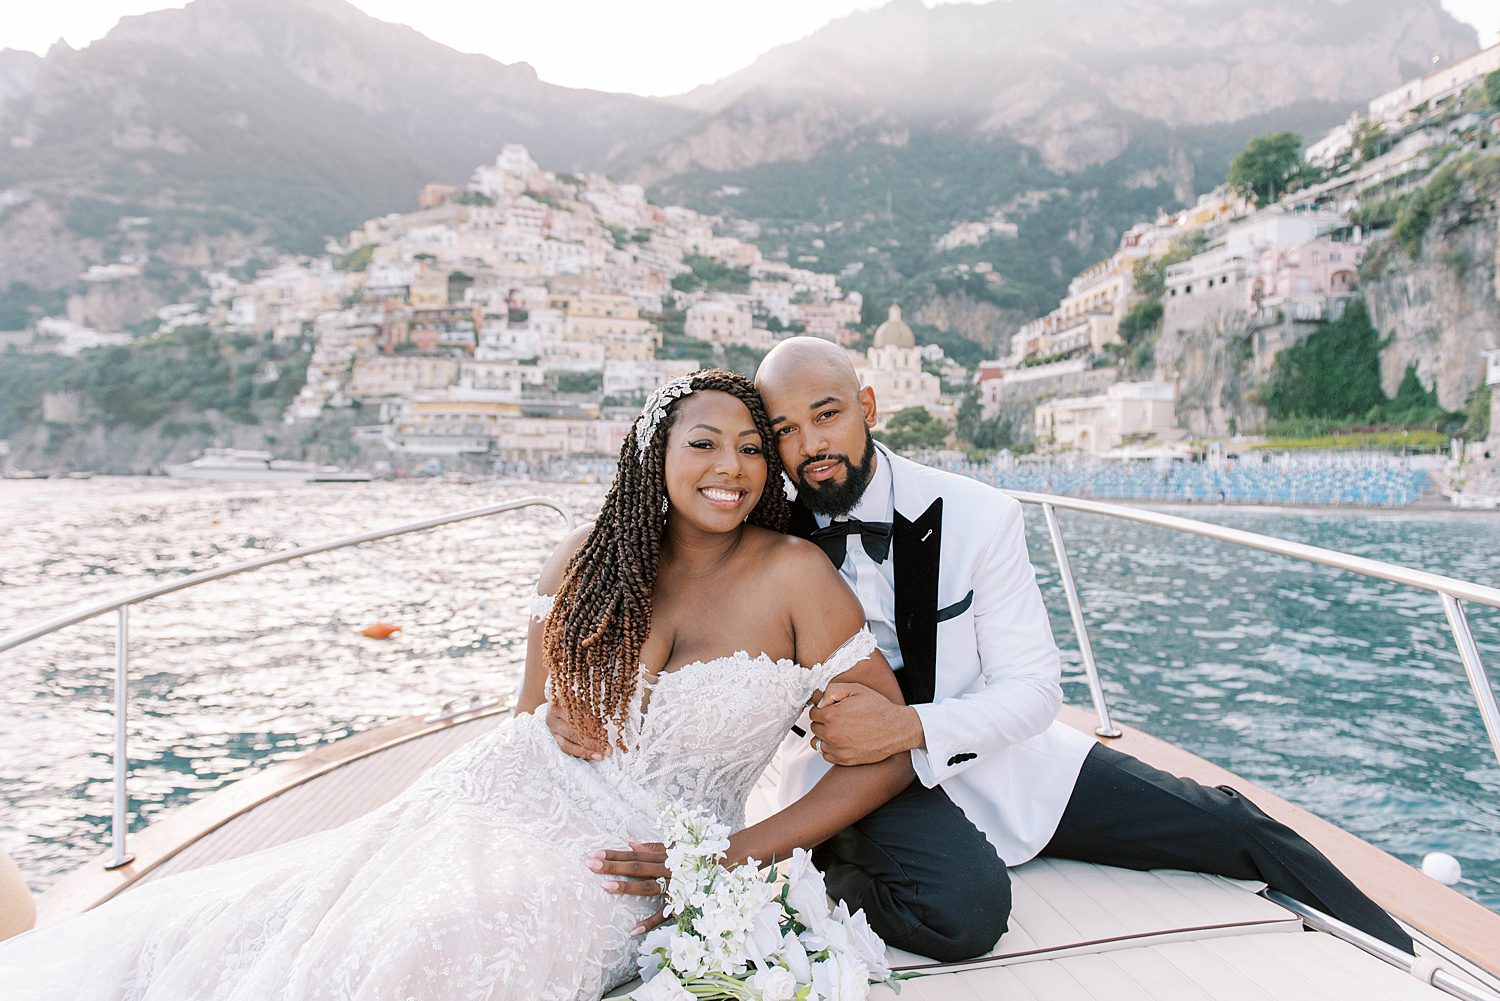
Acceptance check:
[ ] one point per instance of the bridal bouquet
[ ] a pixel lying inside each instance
(750, 936)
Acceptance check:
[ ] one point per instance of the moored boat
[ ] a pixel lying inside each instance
(251, 465)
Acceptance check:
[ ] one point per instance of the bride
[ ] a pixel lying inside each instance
(679, 625)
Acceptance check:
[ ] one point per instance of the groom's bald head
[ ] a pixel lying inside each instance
(805, 356)
(821, 419)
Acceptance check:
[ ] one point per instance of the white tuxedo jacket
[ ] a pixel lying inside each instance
(981, 667)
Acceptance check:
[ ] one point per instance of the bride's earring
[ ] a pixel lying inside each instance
(664, 506)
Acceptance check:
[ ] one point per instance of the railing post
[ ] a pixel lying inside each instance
(1484, 695)
(1080, 628)
(122, 763)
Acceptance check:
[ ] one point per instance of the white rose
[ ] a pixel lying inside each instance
(860, 940)
(775, 984)
(841, 978)
(662, 987)
(806, 896)
(765, 932)
(796, 958)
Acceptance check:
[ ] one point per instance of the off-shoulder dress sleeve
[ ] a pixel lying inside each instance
(855, 649)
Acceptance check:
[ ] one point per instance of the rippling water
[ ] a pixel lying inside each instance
(1344, 695)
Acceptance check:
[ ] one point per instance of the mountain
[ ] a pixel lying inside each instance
(231, 122)
(863, 144)
(189, 137)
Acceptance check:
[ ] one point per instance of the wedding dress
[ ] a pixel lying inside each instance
(472, 884)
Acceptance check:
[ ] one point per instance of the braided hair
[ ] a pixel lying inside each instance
(602, 613)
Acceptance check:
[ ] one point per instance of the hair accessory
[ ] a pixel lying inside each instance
(655, 409)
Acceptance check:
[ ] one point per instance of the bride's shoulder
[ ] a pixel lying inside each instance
(556, 567)
(790, 560)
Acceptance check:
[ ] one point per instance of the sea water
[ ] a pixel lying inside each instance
(1343, 694)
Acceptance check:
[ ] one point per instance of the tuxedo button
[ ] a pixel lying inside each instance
(959, 759)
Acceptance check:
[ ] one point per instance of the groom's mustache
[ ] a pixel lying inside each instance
(802, 466)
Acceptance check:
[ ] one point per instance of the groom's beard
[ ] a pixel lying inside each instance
(834, 498)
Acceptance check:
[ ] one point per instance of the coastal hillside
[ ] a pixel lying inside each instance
(898, 144)
(189, 137)
(890, 146)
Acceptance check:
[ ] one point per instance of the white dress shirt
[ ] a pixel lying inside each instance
(874, 583)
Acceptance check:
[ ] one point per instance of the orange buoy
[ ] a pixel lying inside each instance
(380, 631)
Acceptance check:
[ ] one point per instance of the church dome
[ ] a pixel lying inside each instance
(894, 332)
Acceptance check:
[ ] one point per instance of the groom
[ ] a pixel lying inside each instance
(939, 563)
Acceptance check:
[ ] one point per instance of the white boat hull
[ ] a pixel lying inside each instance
(187, 472)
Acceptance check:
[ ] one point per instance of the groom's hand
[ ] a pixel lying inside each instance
(640, 872)
(856, 725)
(573, 740)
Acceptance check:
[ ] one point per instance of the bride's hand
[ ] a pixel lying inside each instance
(640, 872)
(572, 740)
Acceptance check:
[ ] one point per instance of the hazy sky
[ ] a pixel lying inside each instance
(645, 47)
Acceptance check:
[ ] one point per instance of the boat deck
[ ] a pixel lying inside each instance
(1078, 931)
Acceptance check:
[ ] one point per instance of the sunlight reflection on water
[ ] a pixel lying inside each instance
(1342, 694)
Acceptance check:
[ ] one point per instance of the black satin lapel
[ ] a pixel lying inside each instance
(802, 523)
(917, 547)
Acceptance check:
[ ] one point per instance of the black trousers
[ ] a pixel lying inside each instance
(932, 884)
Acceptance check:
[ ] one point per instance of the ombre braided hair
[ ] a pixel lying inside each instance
(602, 613)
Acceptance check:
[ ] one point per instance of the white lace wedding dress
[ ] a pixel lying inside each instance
(472, 884)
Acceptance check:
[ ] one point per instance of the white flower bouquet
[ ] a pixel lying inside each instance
(750, 936)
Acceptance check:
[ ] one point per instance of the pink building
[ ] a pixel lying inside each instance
(1300, 280)
(827, 322)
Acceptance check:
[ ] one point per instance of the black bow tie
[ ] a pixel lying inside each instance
(876, 536)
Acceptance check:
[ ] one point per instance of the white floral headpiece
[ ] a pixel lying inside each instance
(655, 409)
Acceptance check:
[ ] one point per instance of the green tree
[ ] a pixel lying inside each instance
(1268, 167)
(1369, 139)
(1413, 403)
(970, 415)
(1492, 89)
(1334, 373)
(1150, 275)
(994, 434)
(705, 272)
(1477, 427)
(1142, 321)
(580, 382)
(913, 429)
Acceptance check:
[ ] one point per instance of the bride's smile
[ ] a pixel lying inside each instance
(715, 467)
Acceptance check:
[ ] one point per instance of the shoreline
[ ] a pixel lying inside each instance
(1426, 508)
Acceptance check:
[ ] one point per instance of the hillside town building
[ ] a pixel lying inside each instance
(893, 369)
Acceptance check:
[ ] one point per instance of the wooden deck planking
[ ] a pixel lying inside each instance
(1446, 915)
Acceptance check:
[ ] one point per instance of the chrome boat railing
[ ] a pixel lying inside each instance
(1451, 591)
(1451, 594)
(121, 607)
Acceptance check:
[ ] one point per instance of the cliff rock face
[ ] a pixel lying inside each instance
(747, 136)
(1441, 310)
(974, 318)
(37, 246)
(1204, 350)
(1078, 80)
